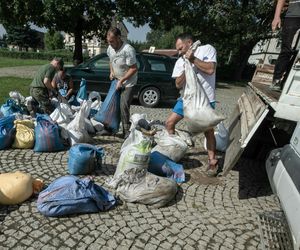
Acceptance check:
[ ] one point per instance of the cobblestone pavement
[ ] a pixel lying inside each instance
(215, 213)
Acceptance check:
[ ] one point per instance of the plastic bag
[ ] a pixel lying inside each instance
(109, 113)
(17, 187)
(71, 195)
(10, 107)
(24, 134)
(77, 129)
(84, 158)
(7, 131)
(199, 114)
(161, 165)
(222, 138)
(46, 135)
(95, 98)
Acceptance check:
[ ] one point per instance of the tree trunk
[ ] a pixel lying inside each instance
(77, 57)
(242, 60)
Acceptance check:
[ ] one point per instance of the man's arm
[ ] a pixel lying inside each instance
(206, 67)
(277, 21)
(180, 81)
(47, 83)
(111, 74)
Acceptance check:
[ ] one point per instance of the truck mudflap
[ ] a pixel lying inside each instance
(246, 118)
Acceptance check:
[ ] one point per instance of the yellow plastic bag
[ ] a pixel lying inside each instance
(24, 134)
(17, 187)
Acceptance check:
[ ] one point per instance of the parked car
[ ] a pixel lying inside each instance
(154, 77)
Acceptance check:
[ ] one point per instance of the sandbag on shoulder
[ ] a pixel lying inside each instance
(24, 134)
(17, 187)
(84, 158)
(7, 131)
(199, 114)
(46, 135)
(109, 113)
(71, 195)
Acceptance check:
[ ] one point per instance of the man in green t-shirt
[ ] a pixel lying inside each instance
(41, 85)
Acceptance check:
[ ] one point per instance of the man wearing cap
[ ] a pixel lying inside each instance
(41, 86)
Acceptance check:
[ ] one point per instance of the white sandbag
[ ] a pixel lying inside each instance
(77, 127)
(134, 118)
(135, 152)
(171, 146)
(15, 95)
(95, 98)
(222, 138)
(150, 189)
(199, 114)
(97, 125)
(185, 136)
(17, 187)
(62, 114)
(89, 126)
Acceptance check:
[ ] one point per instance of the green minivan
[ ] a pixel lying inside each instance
(154, 77)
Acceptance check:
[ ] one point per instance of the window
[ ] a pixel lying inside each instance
(157, 65)
(102, 63)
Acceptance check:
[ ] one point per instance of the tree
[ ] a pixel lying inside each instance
(81, 18)
(53, 40)
(233, 27)
(22, 36)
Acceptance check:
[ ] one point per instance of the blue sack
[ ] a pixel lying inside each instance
(109, 113)
(10, 107)
(161, 165)
(81, 94)
(7, 131)
(84, 158)
(46, 135)
(71, 195)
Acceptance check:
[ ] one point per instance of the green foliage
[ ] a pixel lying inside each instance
(53, 40)
(233, 27)
(8, 84)
(22, 36)
(48, 55)
(82, 18)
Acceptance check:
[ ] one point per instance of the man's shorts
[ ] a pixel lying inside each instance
(178, 108)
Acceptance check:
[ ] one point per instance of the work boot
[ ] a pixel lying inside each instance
(276, 85)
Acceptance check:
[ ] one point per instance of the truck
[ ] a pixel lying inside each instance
(265, 124)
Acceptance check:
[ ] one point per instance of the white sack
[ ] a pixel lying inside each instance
(222, 138)
(171, 146)
(199, 114)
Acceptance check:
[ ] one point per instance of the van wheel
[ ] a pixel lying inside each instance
(149, 97)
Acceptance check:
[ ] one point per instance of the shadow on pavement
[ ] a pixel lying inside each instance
(253, 179)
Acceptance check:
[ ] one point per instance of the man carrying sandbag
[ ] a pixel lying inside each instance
(41, 86)
(123, 67)
(204, 61)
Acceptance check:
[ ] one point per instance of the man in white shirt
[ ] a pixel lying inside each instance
(123, 67)
(204, 63)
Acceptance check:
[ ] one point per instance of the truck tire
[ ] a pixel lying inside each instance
(149, 97)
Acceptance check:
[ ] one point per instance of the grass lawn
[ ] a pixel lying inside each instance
(8, 84)
(13, 62)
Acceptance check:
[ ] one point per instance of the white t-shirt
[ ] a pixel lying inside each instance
(121, 60)
(206, 53)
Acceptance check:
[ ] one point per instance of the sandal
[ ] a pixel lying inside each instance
(212, 169)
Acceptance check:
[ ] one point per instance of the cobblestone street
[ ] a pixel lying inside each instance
(208, 213)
